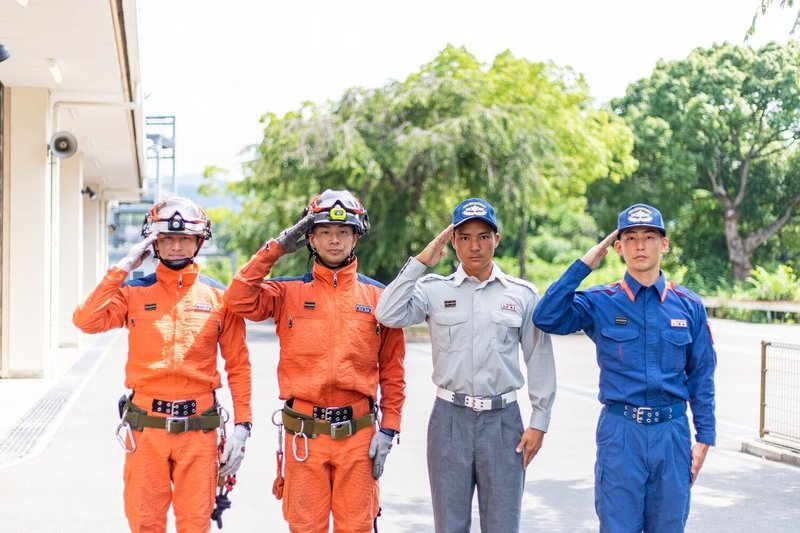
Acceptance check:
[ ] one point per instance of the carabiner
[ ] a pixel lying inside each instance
(128, 433)
(280, 432)
(305, 442)
(224, 416)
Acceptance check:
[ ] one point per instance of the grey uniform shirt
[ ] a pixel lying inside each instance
(476, 330)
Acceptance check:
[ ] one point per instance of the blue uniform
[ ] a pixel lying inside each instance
(654, 350)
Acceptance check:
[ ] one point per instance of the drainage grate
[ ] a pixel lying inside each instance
(31, 431)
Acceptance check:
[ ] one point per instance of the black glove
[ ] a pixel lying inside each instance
(294, 238)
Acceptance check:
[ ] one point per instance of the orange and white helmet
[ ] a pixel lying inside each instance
(177, 215)
(339, 207)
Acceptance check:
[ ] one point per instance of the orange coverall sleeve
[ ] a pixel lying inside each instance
(105, 308)
(248, 295)
(392, 377)
(233, 347)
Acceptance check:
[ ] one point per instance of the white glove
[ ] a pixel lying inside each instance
(137, 254)
(294, 238)
(233, 453)
(379, 448)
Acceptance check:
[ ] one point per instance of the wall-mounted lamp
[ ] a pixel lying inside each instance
(55, 70)
(23, 3)
(91, 193)
(4, 53)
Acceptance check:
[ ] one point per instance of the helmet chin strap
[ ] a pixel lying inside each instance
(177, 264)
(313, 253)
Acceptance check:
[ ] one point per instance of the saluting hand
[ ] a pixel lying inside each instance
(595, 255)
(137, 254)
(434, 252)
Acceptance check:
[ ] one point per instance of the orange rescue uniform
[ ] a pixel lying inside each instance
(175, 321)
(333, 353)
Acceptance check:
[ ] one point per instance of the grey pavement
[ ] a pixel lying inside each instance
(61, 467)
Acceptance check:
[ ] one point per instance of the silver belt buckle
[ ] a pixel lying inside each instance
(336, 426)
(478, 403)
(640, 411)
(176, 420)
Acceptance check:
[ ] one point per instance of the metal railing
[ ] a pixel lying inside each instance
(780, 393)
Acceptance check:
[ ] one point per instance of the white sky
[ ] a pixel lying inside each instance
(218, 65)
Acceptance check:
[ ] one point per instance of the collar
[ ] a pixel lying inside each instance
(460, 276)
(633, 286)
(187, 274)
(345, 276)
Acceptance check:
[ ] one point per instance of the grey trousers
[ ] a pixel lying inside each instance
(469, 449)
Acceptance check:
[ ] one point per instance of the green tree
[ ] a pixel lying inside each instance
(762, 9)
(716, 140)
(518, 133)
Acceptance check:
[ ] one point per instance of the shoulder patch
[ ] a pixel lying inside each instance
(369, 281)
(683, 292)
(145, 281)
(523, 283)
(305, 278)
(435, 277)
(211, 282)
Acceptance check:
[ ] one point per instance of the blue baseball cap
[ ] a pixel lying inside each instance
(640, 216)
(474, 208)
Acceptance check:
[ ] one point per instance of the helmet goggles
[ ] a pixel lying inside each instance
(339, 207)
(177, 215)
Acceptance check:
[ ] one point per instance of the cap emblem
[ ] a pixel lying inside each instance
(474, 209)
(640, 215)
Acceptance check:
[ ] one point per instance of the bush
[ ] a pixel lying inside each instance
(780, 285)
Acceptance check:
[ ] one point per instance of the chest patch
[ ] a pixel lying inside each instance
(449, 303)
(621, 320)
(149, 307)
(205, 308)
(363, 308)
(509, 307)
(309, 305)
(678, 323)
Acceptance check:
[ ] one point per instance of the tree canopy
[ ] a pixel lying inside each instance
(717, 145)
(521, 134)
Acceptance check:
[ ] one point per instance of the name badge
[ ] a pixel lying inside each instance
(678, 323)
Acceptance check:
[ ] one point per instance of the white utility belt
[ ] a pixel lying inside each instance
(477, 403)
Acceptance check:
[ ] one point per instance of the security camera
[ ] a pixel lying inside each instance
(63, 144)
(91, 193)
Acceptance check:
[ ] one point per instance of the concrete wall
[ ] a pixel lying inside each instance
(28, 202)
(70, 263)
(94, 243)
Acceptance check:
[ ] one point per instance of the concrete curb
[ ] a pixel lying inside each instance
(773, 452)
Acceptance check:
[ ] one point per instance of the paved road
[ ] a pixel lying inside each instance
(75, 483)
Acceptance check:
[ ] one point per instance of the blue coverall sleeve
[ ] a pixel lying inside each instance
(562, 310)
(701, 361)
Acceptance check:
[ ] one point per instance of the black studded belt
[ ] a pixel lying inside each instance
(175, 408)
(333, 414)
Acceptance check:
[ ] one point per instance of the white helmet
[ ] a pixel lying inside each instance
(177, 215)
(339, 207)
